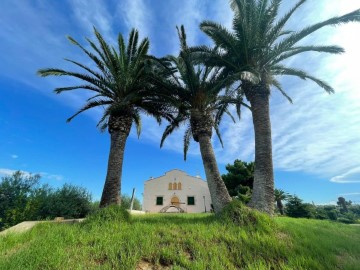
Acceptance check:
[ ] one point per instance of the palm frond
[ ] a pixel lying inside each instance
(297, 50)
(187, 139)
(137, 120)
(277, 85)
(88, 106)
(281, 70)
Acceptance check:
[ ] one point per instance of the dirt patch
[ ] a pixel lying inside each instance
(145, 264)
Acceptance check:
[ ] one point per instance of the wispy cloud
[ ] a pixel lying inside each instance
(14, 156)
(350, 176)
(56, 177)
(350, 194)
(91, 13)
(136, 14)
(9, 172)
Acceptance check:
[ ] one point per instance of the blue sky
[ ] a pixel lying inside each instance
(316, 140)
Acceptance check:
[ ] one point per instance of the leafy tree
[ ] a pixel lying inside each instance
(121, 85)
(126, 200)
(15, 191)
(255, 54)
(23, 198)
(69, 201)
(280, 196)
(296, 208)
(198, 95)
(239, 179)
(343, 204)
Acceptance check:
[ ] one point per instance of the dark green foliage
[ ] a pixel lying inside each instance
(239, 179)
(15, 193)
(68, 201)
(126, 200)
(22, 198)
(237, 213)
(108, 214)
(343, 204)
(296, 208)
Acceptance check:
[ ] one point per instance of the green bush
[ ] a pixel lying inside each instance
(296, 208)
(126, 200)
(22, 198)
(238, 213)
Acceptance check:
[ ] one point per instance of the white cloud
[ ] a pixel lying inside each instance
(9, 172)
(350, 194)
(56, 177)
(14, 156)
(351, 176)
(91, 13)
(136, 14)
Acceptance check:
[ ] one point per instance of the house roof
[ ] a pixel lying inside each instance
(169, 172)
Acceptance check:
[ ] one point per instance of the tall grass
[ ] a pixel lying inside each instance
(182, 241)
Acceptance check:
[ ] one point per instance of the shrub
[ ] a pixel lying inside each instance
(69, 201)
(126, 200)
(296, 208)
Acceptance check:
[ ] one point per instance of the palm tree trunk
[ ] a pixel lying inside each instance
(119, 129)
(280, 206)
(219, 194)
(263, 191)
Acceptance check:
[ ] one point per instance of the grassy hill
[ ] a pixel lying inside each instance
(112, 240)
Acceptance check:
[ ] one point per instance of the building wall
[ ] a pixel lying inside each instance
(190, 186)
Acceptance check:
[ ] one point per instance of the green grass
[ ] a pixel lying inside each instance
(183, 241)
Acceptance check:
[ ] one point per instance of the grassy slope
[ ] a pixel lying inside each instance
(183, 242)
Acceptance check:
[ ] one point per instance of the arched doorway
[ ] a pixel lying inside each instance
(175, 201)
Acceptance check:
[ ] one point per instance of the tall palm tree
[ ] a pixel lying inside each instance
(279, 196)
(254, 53)
(121, 84)
(196, 93)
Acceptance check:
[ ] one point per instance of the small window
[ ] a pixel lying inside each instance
(179, 186)
(174, 186)
(159, 200)
(170, 186)
(191, 200)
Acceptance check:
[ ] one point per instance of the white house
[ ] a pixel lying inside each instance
(176, 192)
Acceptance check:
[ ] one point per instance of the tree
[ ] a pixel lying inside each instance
(15, 191)
(121, 83)
(343, 204)
(254, 54)
(126, 200)
(239, 179)
(69, 201)
(198, 95)
(296, 208)
(280, 195)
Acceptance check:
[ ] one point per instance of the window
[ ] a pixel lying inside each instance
(159, 200)
(191, 200)
(179, 186)
(174, 186)
(170, 186)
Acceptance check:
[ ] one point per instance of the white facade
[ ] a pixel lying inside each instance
(176, 192)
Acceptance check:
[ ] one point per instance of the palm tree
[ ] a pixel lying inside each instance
(196, 93)
(280, 195)
(254, 53)
(121, 84)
